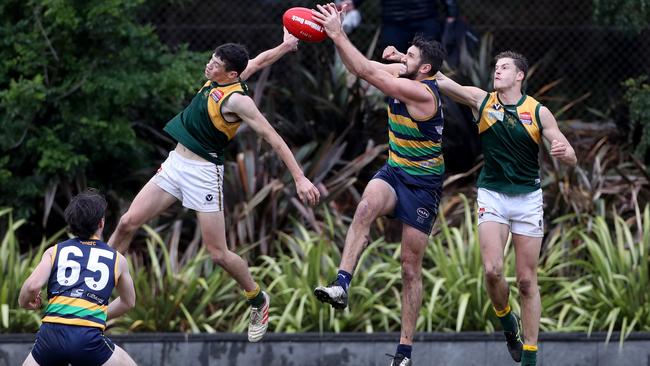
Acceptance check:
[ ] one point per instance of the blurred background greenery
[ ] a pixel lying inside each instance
(86, 87)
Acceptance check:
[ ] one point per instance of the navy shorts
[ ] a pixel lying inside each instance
(60, 345)
(418, 197)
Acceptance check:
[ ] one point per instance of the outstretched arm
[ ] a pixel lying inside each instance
(359, 65)
(268, 57)
(560, 146)
(245, 108)
(30, 292)
(125, 288)
(468, 95)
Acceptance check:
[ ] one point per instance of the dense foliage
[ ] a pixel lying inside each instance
(593, 277)
(81, 83)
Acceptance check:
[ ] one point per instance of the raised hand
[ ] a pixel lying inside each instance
(330, 18)
(289, 40)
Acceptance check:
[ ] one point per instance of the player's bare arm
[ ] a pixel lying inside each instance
(244, 107)
(414, 94)
(560, 146)
(392, 68)
(268, 57)
(30, 292)
(468, 95)
(125, 289)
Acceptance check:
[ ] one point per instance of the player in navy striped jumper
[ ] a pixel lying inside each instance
(80, 274)
(409, 186)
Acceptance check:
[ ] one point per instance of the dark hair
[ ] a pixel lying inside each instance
(234, 56)
(431, 52)
(520, 60)
(84, 213)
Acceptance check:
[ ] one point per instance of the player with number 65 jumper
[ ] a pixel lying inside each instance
(80, 274)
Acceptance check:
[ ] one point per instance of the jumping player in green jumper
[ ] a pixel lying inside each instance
(193, 172)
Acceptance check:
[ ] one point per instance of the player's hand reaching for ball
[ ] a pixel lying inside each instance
(289, 41)
(330, 18)
(307, 192)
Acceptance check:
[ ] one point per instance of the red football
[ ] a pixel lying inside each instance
(300, 22)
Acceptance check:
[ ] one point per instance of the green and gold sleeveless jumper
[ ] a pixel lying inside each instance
(510, 138)
(201, 126)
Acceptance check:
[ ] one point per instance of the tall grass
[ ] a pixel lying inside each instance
(592, 276)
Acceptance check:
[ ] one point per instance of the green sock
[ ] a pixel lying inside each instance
(507, 319)
(256, 297)
(529, 357)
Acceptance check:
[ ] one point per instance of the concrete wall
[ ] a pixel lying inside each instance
(431, 349)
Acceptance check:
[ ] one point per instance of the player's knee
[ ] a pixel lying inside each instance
(128, 222)
(219, 255)
(364, 213)
(410, 269)
(410, 275)
(527, 286)
(493, 272)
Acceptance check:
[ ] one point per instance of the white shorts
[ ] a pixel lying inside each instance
(524, 213)
(197, 184)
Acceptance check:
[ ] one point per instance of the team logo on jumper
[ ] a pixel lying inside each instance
(495, 114)
(526, 118)
(496, 106)
(209, 197)
(216, 95)
(77, 292)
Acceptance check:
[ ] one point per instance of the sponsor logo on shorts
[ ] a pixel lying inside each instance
(481, 211)
(216, 95)
(209, 197)
(423, 213)
(77, 292)
(526, 118)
